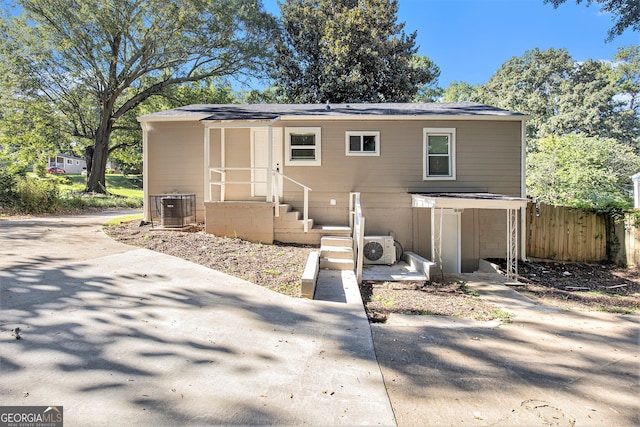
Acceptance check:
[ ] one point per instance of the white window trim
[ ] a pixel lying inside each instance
(350, 133)
(451, 132)
(288, 131)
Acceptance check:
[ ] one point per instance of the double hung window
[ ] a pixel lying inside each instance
(439, 153)
(303, 146)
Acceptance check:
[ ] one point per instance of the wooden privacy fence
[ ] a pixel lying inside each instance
(629, 242)
(565, 234)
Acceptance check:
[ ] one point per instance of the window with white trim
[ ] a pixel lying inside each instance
(69, 161)
(439, 153)
(303, 145)
(362, 143)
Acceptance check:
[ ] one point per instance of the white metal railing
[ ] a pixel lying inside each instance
(275, 193)
(356, 223)
(223, 179)
(305, 200)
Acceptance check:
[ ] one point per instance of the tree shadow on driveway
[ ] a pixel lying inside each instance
(542, 369)
(148, 337)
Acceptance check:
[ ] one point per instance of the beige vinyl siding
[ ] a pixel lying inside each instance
(487, 156)
(488, 160)
(175, 156)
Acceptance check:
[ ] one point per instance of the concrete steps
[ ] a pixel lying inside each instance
(336, 253)
(288, 227)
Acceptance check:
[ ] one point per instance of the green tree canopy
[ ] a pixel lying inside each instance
(563, 96)
(97, 60)
(347, 51)
(458, 92)
(125, 148)
(529, 84)
(627, 68)
(31, 132)
(625, 14)
(582, 172)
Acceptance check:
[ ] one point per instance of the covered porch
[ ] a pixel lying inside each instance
(446, 232)
(244, 186)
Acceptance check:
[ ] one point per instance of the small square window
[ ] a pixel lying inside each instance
(69, 161)
(439, 154)
(303, 146)
(362, 143)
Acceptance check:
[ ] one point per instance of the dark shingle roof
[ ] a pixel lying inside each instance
(273, 111)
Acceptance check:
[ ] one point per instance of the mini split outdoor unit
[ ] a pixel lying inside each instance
(379, 250)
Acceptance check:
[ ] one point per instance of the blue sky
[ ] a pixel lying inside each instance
(470, 39)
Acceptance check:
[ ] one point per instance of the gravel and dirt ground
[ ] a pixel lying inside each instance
(279, 267)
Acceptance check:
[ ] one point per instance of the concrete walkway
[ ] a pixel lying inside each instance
(118, 335)
(546, 367)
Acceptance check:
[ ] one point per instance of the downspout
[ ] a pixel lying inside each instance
(271, 175)
(523, 192)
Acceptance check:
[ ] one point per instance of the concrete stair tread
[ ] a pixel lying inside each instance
(336, 263)
(331, 248)
(325, 227)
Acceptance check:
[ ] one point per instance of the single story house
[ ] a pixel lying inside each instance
(446, 180)
(70, 164)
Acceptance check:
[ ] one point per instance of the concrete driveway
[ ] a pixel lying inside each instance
(118, 335)
(122, 335)
(546, 367)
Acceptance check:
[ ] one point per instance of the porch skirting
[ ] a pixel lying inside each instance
(252, 221)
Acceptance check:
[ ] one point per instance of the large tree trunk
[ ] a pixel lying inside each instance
(96, 180)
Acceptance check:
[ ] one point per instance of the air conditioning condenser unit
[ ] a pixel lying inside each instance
(379, 250)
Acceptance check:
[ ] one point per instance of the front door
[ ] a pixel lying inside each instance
(446, 239)
(260, 159)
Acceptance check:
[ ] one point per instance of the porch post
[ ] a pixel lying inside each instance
(436, 238)
(207, 164)
(270, 166)
(223, 164)
(512, 243)
(523, 191)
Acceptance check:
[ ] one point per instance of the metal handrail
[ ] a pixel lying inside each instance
(356, 223)
(305, 210)
(275, 193)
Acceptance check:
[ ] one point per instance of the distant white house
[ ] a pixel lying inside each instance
(70, 164)
(636, 190)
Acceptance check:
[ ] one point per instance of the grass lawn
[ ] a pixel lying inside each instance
(123, 192)
(129, 186)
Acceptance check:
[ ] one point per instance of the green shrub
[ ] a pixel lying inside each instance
(7, 188)
(36, 195)
(29, 194)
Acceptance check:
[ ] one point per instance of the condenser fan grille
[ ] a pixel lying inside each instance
(373, 251)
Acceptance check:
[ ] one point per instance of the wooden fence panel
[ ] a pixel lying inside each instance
(565, 234)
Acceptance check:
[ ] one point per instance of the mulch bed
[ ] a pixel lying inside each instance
(604, 287)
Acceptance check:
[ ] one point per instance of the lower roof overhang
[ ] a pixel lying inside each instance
(467, 201)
